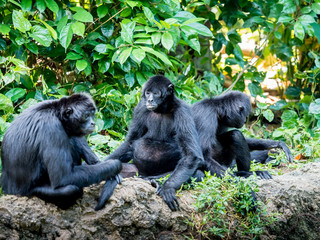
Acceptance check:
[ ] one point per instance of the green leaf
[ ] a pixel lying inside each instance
(157, 54)
(107, 29)
(285, 19)
(78, 28)
(4, 29)
(306, 19)
(167, 40)
(268, 114)
(103, 66)
(133, 4)
(299, 31)
(289, 115)
(81, 64)
(41, 35)
(41, 5)
(316, 7)
(66, 36)
(83, 16)
(19, 22)
(26, 5)
(32, 47)
(129, 77)
(73, 56)
(192, 20)
(201, 29)
(126, 13)
(314, 107)
(143, 41)
(53, 33)
(156, 37)
(139, 54)
(124, 55)
(148, 14)
(316, 28)
(127, 31)
(141, 79)
(184, 16)
(101, 48)
(16, 93)
(63, 21)
(102, 11)
(52, 5)
(5, 104)
(192, 42)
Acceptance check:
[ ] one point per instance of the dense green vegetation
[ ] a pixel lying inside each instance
(110, 48)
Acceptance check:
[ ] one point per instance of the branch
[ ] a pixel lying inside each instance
(110, 18)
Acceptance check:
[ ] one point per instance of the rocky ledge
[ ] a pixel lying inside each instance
(136, 212)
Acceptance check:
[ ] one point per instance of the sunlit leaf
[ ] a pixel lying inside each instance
(20, 22)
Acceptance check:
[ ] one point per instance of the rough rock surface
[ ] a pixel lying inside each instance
(136, 212)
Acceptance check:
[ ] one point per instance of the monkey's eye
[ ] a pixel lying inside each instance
(86, 116)
(241, 108)
(147, 93)
(157, 94)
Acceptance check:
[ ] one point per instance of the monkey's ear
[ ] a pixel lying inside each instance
(68, 112)
(171, 88)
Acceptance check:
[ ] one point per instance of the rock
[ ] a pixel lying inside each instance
(136, 212)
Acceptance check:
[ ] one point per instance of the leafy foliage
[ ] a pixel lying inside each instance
(222, 203)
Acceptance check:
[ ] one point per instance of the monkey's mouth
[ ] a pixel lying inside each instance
(151, 107)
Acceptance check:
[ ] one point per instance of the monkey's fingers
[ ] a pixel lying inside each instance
(106, 193)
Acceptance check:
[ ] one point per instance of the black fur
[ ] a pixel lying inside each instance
(42, 151)
(223, 148)
(162, 138)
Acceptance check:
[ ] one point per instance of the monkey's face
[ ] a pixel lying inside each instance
(79, 121)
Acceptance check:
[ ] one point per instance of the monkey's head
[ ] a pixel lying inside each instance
(158, 93)
(77, 114)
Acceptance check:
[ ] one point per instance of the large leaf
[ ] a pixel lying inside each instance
(5, 104)
(41, 35)
(78, 28)
(167, 40)
(107, 29)
(127, 31)
(316, 28)
(299, 30)
(4, 28)
(53, 32)
(41, 5)
(129, 77)
(63, 21)
(26, 5)
(15, 93)
(32, 47)
(316, 7)
(52, 5)
(157, 54)
(124, 55)
(139, 54)
(73, 56)
(156, 38)
(20, 22)
(102, 11)
(66, 36)
(201, 29)
(83, 16)
(81, 64)
(148, 14)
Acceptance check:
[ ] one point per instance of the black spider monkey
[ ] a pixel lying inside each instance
(162, 137)
(213, 118)
(42, 150)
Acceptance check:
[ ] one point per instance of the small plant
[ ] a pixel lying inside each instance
(223, 208)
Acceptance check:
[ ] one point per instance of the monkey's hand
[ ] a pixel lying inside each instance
(286, 150)
(169, 196)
